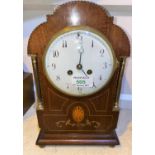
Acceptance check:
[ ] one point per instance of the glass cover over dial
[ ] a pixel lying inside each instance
(79, 61)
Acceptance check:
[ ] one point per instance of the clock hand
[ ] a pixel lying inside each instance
(94, 84)
(84, 73)
(81, 50)
(79, 65)
(80, 57)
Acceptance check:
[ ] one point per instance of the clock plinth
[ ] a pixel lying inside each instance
(81, 110)
(77, 139)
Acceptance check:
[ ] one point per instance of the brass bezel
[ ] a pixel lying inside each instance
(85, 28)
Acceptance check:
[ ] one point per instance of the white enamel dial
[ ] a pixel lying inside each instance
(79, 61)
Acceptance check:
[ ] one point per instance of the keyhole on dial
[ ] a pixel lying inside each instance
(89, 71)
(69, 72)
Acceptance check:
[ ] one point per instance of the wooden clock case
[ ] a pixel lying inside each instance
(58, 113)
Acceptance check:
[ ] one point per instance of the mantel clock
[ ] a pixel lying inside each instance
(78, 57)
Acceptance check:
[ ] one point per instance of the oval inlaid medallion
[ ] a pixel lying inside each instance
(78, 114)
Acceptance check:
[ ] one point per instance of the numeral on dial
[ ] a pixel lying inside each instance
(58, 78)
(55, 53)
(100, 77)
(53, 66)
(79, 36)
(79, 89)
(64, 44)
(94, 84)
(105, 65)
(102, 52)
(67, 86)
(92, 44)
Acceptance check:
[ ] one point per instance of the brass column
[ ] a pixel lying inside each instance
(122, 63)
(37, 84)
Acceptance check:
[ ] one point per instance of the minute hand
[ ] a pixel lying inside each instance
(80, 57)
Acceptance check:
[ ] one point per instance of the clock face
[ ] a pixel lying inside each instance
(79, 61)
